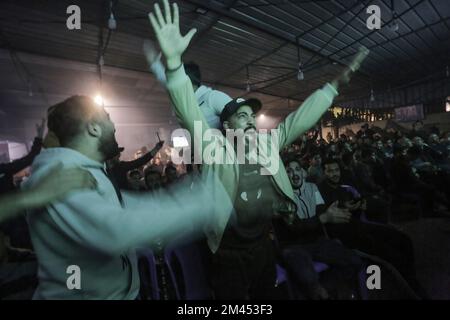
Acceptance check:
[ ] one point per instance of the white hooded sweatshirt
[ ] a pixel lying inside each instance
(90, 229)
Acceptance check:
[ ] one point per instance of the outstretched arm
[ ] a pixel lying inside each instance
(141, 161)
(54, 186)
(173, 45)
(154, 62)
(312, 109)
(20, 164)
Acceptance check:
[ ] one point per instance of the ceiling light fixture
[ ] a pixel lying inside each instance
(200, 10)
(99, 100)
(300, 74)
(248, 88)
(394, 24)
(112, 23)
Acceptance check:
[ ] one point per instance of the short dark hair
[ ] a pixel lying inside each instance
(293, 158)
(330, 160)
(135, 172)
(193, 72)
(170, 167)
(66, 118)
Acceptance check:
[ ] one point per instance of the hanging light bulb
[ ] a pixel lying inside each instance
(248, 88)
(112, 23)
(300, 74)
(394, 24)
(99, 100)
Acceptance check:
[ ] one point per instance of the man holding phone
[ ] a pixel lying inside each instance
(380, 240)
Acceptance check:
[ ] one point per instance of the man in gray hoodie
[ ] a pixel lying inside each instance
(85, 242)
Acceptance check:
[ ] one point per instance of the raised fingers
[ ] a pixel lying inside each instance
(176, 15)
(167, 12)
(190, 34)
(159, 15)
(154, 23)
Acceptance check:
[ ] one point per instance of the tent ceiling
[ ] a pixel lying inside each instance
(260, 35)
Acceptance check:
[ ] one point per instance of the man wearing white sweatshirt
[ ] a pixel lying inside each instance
(210, 101)
(97, 230)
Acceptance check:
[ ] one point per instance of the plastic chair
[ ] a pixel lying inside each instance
(192, 283)
(150, 273)
(283, 277)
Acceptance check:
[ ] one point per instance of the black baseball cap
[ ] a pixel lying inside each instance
(232, 106)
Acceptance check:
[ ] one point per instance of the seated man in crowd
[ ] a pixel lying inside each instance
(315, 171)
(152, 178)
(384, 241)
(370, 173)
(305, 240)
(136, 180)
(440, 152)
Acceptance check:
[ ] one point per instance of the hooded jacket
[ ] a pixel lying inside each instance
(93, 231)
(187, 110)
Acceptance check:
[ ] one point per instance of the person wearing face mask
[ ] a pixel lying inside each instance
(305, 240)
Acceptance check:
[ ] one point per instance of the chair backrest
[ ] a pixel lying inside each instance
(148, 274)
(192, 283)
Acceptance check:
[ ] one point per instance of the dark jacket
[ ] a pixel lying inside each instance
(8, 170)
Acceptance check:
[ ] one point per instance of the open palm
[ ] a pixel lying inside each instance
(167, 30)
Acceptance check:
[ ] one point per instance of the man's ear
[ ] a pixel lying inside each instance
(226, 125)
(94, 129)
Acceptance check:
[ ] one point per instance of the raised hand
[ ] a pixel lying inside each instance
(345, 76)
(40, 128)
(159, 144)
(167, 30)
(362, 54)
(157, 147)
(151, 54)
(335, 214)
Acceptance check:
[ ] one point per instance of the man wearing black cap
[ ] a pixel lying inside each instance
(243, 261)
